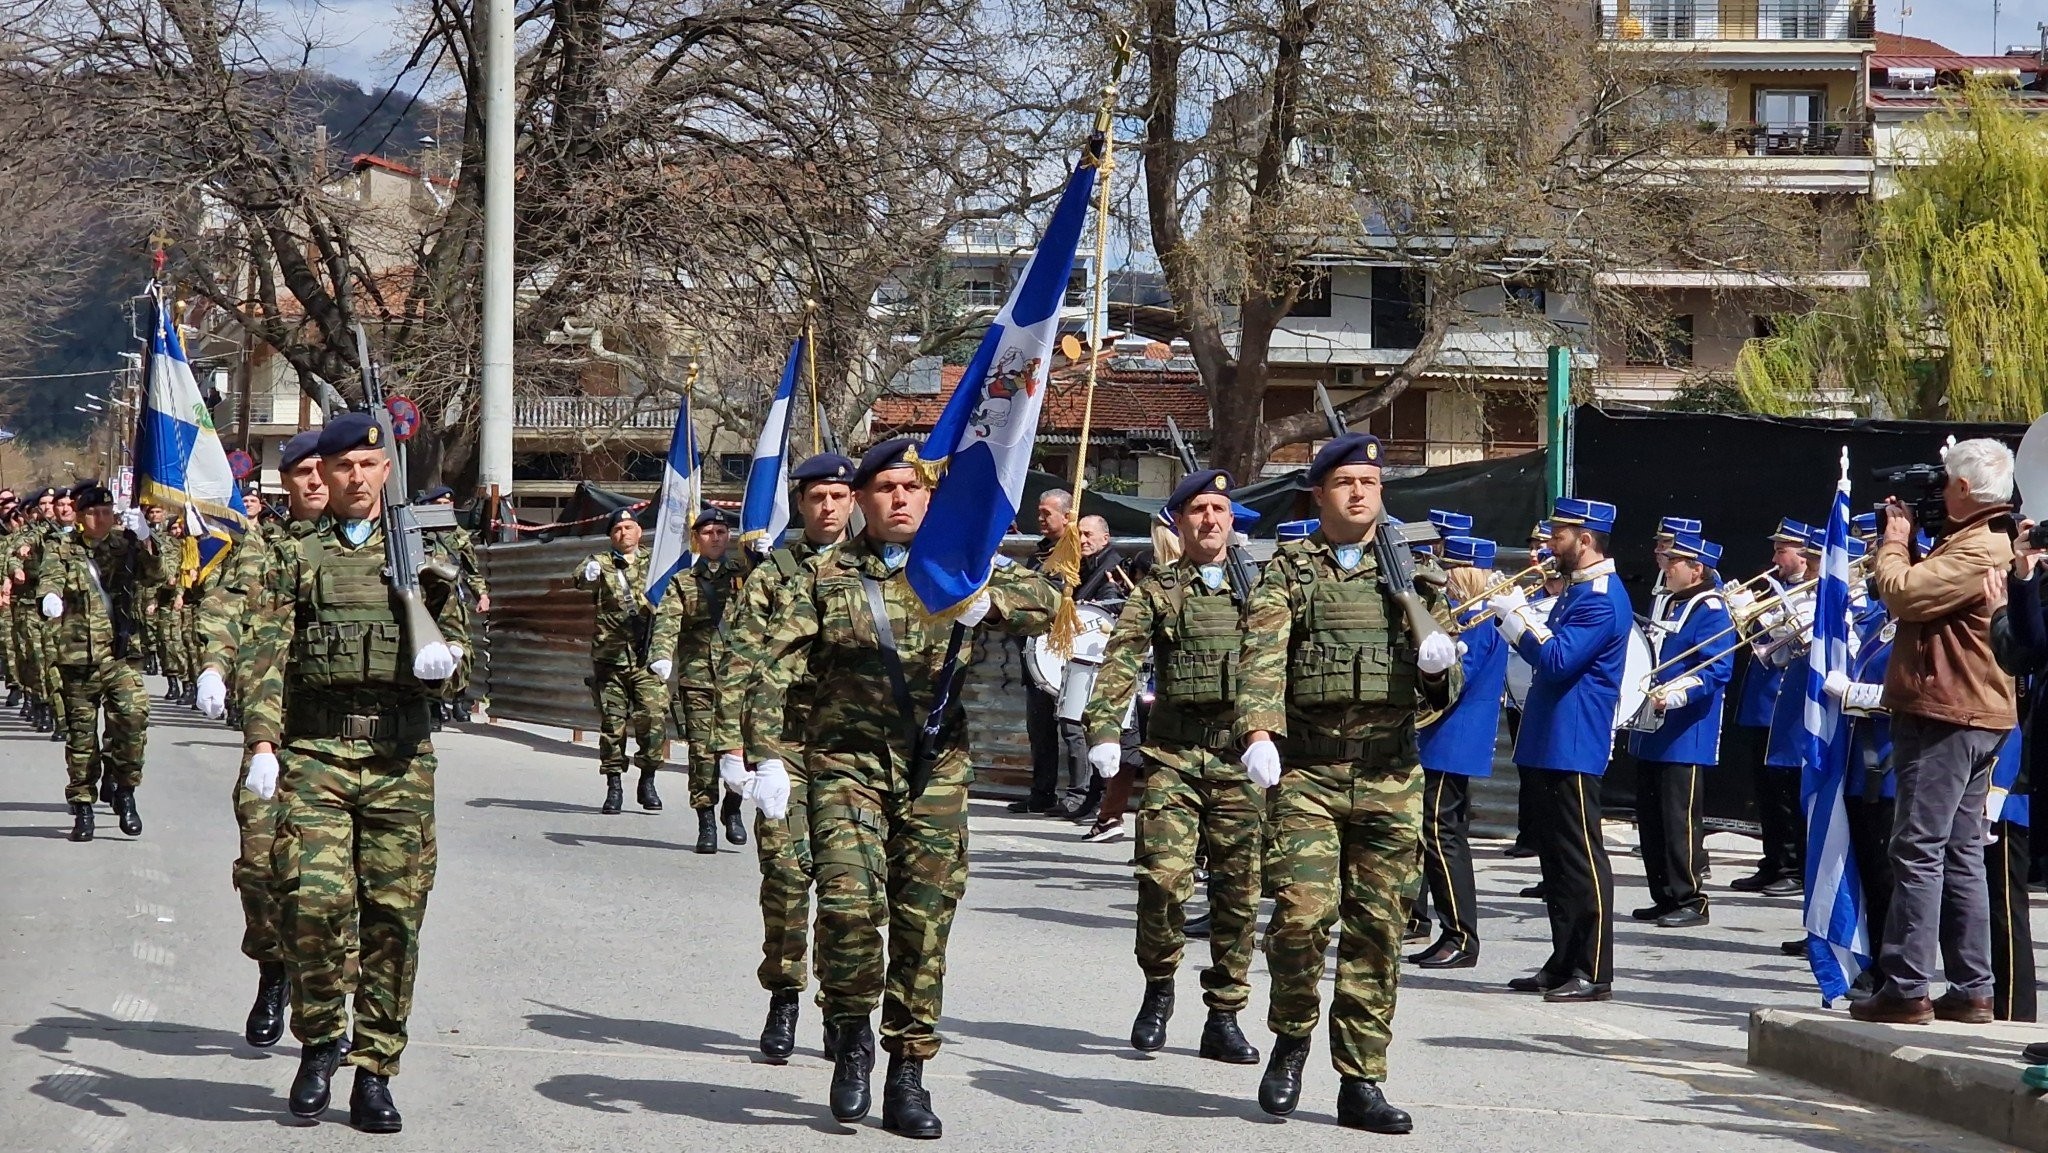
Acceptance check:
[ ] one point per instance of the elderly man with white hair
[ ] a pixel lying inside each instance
(1951, 708)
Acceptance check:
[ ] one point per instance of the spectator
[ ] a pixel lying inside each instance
(1106, 583)
(2019, 637)
(1041, 708)
(1951, 707)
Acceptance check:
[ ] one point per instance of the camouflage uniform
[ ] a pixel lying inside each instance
(1328, 668)
(331, 686)
(48, 681)
(691, 630)
(458, 548)
(163, 624)
(1196, 794)
(629, 695)
(881, 857)
(95, 653)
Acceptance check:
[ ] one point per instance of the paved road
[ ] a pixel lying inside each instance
(587, 983)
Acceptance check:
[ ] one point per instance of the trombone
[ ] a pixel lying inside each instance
(1448, 617)
(1742, 620)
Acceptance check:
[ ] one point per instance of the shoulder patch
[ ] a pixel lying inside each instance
(1001, 561)
(1599, 584)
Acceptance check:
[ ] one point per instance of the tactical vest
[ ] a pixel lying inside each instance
(350, 634)
(1197, 663)
(1349, 654)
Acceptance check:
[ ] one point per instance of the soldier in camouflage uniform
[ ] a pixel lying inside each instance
(626, 683)
(338, 713)
(824, 500)
(10, 512)
(1330, 670)
(21, 611)
(884, 856)
(173, 653)
(87, 582)
(691, 632)
(1185, 614)
(457, 548)
(60, 520)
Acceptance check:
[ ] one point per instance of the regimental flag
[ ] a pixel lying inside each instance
(1837, 934)
(981, 445)
(682, 494)
(179, 461)
(764, 511)
(213, 537)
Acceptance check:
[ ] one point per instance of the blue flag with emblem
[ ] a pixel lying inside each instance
(764, 510)
(682, 494)
(1837, 933)
(179, 460)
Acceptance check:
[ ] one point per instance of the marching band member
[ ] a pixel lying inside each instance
(1577, 656)
(1668, 529)
(1545, 590)
(1788, 632)
(1780, 871)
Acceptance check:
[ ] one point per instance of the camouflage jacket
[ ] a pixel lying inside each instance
(100, 582)
(458, 548)
(1146, 623)
(692, 627)
(625, 619)
(25, 550)
(228, 606)
(761, 603)
(855, 720)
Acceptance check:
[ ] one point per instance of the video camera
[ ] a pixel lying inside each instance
(1920, 487)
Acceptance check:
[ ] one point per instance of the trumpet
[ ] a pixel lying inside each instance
(1744, 619)
(1448, 618)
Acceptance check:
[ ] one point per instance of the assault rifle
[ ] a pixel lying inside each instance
(1390, 547)
(405, 550)
(1237, 564)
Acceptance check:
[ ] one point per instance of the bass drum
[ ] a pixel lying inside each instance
(1519, 672)
(1047, 669)
(1635, 676)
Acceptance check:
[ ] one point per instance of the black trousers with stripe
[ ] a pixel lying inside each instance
(1670, 818)
(2013, 992)
(1578, 883)
(1447, 857)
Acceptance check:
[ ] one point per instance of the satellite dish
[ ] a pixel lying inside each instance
(2030, 471)
(1070, 346)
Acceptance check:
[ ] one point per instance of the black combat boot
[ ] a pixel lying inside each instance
(39, 717)
(81, 820)
(369, 1105)
(906, 1103)
(149, 668)
(310, 1089)
(649, 799)
(778, 1036)
(853, 1061)
(707, 830)
(1148, 1032)
(266, 1016)
(1223, 1041)
(191, 698)
(56, 725)
(1280, 1088)
(107, 788)
(735, 828)
(124, 806)
(831, 1043)
(172, 692)
(461, 710)
(614, 794)
(1361, 1105)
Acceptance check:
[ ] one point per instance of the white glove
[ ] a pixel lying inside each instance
(732, 769)
(1507, 609)
(976, 609)
(1994, 804)
(591, 572)
(1261, 763)
(662, 668)
(53, 605)
(262, 778)
(1863, 697)
(210, 694)
(1107, 757)
(436, 662)
(1438, 652)
(133, 520)
(771, 789)
(1836, 684)
(1739, 599)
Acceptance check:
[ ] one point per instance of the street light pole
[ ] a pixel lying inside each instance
(494, 445)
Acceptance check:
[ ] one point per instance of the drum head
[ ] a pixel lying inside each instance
(1635, 678)
(1047, 669)
(1519, 676)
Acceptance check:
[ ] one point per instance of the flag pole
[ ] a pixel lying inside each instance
(811, 378)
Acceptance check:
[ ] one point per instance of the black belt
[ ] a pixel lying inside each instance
(1338, 748)
(407, 722)
(1164, 726)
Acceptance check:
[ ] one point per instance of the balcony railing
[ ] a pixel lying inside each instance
(1735, 20)
(1819, 138)
(593, 413)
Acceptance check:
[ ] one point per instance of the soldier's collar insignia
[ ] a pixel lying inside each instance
(1212, 576)
(1348, 555)
(893, 556)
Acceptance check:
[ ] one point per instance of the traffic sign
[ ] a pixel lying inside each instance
(405, 416)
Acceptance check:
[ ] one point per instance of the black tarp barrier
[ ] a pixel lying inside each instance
(1505, 497)
(1126, 515)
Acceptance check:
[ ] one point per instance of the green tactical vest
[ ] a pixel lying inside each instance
(350, 634)
(1348, 654)
(1197, 661)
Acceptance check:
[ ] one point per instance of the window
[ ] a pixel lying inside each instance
(1511, 421)
(1314, 298)
(1077, 289)
(981, 294)
(1397, 297)
(732, 466)
(1404, 425)
(1789, 121)
(1667, 347)
(545, 466)
(1528, 298)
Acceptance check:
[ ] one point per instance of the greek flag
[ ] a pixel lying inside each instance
(179, 461)
(764, 510)
(1837, 935)
(682, 494)
(983, 439)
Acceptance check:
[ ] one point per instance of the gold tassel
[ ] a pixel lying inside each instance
(1063, 566)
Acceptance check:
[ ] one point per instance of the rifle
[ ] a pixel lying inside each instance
(1390, 548)
(405, 550)
(1237, 567)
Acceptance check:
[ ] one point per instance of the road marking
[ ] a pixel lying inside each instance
(150, 954)
(129, 1007)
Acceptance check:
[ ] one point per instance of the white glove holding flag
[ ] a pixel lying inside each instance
(771, 789)
(436, 662)
(662, 668)
(1261, 763)
(1437, 653)
(210, 695)
(591, 572)
(53, 605)
(976, 610)
(732, 769)
(1836, 684)
(1106, 757)
(134, 521)
(262, 778)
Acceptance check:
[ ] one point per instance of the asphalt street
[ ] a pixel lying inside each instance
(587, 982)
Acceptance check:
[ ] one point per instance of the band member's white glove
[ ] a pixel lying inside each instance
(1836, 684)
(591, 572)
(976, 610)
(1107, 757)
(53, 605)
(1675, 694)
(134, 521)
(1739, 599)
(732, 769)
(262, 778)
(662, 668)
(210, 695)
(771, 789)
(436, 662)
(1437, 653)
(1507, 608)
(1994, 809)
(1261, 763)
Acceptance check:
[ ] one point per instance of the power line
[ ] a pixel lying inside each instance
(61, 375)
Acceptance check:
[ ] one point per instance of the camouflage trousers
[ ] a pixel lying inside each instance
(1346, 852)
(28, 649)
(354, 861)
(691, 709)
(255, 882)
(885, 863)
(116, 688)
(170, 651)
(53, 677)
(1194, 801)
(784, 850)
(629, 700)
(7, 647)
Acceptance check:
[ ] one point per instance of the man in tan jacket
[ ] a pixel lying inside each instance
(1951, 708)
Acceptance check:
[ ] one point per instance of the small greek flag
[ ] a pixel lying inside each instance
(682, 494)
(764, 510)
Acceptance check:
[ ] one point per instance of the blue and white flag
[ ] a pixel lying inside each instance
(1837, 934)
(764, 510)
(682, 494)
(179, 461)
(983, 438)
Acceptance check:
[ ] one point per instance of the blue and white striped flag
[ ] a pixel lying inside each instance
(1837, 934)
(984, 436)
(682, 494)
(764, 510)
(179, 460)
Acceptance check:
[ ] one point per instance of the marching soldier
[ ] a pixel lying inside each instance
(60, 522)
(339, 714)
(1330, 670)
(885, 853)
(690, 638)
(628, 686)
(825, 502)
(457, 548)
(1577, 656)
(1186, 615)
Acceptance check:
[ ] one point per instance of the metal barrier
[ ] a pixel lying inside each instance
(538, 632)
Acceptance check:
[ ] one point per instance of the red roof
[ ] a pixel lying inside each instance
(364, 160)
(1893, 44)
(1126, 400)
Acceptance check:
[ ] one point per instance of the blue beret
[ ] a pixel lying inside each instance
(1674, 525)
(711, 516)
(298, 448)
(894, 453)
(821, 466)
(1450, 524)
(436, 493)
(1691, 546)
(1195, 484)
(1857, 548)
(347, 432)
(1816, 537)
(1791, 532)
(1577, 512)
(1351, 448)
(1297, 529)
(1478, 552)
(612, 518)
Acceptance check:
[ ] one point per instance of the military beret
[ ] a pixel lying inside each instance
(348, 432)
(898, 452)
(1450, 524)
(90, 494)
(436, 493)
(829, 467)
(710, 517)
(298, 448)
(1674, 525)
(1351, 448)
(1473, 551)
(612, 518)
(1577, 512)
(1195, 484)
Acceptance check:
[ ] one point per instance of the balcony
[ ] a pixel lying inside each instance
(1709, 140)
(1747, 21)
(594, 414)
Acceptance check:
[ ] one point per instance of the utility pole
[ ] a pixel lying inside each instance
(494, 445)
